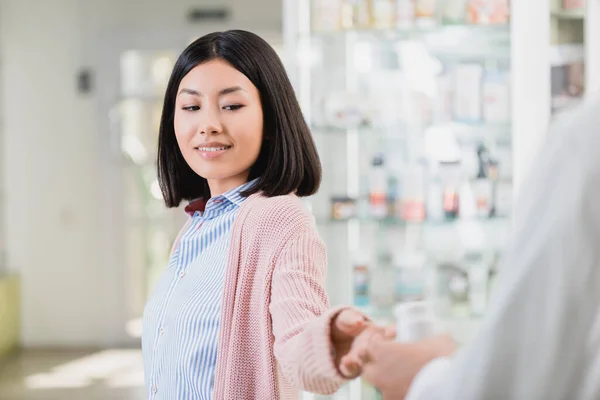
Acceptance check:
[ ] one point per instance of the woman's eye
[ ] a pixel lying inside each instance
(190, 108)
(233, 107)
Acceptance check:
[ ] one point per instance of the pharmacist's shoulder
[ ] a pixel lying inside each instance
(277, 216)
(566, 175)
(575, 135)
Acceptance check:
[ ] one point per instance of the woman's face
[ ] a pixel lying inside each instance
(219, 124)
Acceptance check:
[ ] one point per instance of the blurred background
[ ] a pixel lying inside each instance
(427, 115)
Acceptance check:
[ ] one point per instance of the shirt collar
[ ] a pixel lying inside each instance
(232, 196)
(235, 196)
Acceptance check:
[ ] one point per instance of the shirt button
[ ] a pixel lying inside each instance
(154, 389)
(162, 330)
(181, 274)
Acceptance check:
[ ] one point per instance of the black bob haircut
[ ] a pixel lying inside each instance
(288, 161)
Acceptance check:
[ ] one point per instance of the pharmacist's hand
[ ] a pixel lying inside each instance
(349, 355)
(391, 366)
(345, 328)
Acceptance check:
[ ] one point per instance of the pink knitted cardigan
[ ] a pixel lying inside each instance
(274, 337)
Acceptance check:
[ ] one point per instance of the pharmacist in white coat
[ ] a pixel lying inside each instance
(541, 337)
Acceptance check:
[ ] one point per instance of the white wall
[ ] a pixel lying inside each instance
(55, 159)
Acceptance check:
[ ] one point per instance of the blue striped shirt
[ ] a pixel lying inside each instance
(181, 318)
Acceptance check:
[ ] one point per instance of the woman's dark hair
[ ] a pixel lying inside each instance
(288, 161)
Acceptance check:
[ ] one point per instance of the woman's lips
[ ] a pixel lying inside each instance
(210, 152)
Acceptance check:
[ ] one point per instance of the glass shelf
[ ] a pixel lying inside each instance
(497, 32)
(445, 41)
(464, 133)
(575, 14)
(426, 223)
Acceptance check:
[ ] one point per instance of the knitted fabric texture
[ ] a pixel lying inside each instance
(274, 338)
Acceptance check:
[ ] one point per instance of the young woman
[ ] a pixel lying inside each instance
(241, 311)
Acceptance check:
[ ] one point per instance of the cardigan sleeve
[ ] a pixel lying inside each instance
(301, 315)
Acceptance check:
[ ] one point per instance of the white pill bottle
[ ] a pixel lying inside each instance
(415, 320)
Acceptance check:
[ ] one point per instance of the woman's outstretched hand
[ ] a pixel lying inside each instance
(350, 333)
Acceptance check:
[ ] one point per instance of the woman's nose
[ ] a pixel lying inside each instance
(210, 123)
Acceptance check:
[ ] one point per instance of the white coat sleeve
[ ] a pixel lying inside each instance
(532, 343)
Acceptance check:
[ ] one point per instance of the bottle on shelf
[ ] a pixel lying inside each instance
(326, 15)
(361, 284)
(343, 208)
(442, 101)
(410, 275)
(426, 13)
(478, 274)
(493, 174)
(414, 313)
(453, 292)
(468, 200)
(395, 164)
(496, 96)
(468, 92)
(483, 185)
(383, 13)
(378, 187)
(435, 200)
(412, 202)
(393, 194)
(451, 172)
(503, 196)
(356, 14)
(382, 282)
(455, 12)
(415, 320)
(405, 14)
(573, 4)
(488, 11)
